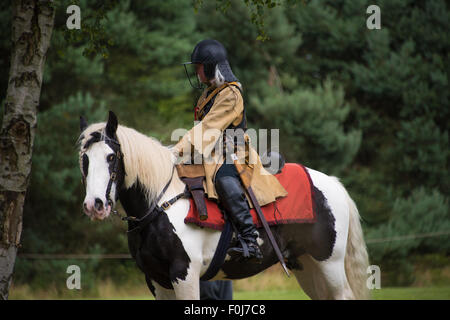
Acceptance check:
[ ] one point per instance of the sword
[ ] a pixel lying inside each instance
(246, 182)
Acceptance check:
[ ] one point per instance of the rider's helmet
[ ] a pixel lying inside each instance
(211, 53)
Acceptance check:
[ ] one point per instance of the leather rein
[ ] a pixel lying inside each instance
(154, 209)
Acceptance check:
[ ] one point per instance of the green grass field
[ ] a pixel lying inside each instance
(429, 293)
(271, 284)
(410, 293)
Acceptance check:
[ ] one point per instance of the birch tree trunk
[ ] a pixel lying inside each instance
(32, 25)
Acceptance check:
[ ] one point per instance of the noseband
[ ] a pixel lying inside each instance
(115, 146)
(139, 223)
(115, 168)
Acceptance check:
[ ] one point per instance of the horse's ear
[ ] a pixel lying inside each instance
(111, 125)
(83, 123)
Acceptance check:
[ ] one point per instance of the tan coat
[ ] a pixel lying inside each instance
(228, 108)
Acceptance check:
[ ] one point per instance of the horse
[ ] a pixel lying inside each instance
(328, 258)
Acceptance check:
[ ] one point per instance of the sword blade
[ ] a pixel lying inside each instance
(267, 229)
(230, 148)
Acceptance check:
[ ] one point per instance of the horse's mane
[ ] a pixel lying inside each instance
(145, 159)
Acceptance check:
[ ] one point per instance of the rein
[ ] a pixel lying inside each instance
(155, 209)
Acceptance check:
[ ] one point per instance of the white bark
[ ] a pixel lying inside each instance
(32, 26)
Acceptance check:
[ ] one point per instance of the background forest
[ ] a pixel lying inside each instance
(369, 106)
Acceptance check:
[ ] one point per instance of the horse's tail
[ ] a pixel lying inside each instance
(356, 257)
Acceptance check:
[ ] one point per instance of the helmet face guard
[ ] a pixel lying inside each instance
(197, 86)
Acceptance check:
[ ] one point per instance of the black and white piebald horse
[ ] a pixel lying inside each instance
(328, 258)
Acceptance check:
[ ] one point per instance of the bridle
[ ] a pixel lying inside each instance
(154, 209)
(115, 146)
(114, 170)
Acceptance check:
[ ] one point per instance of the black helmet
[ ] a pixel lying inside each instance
(210, 53)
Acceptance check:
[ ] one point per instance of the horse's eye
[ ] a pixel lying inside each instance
(111, 157)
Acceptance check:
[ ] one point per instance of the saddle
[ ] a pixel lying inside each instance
(193, 176)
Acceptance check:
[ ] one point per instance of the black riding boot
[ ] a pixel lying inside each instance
(235, 203)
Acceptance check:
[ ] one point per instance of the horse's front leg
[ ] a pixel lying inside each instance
(159, 292)
(188, 287)
(162, 293)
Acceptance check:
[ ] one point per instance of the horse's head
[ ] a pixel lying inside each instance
(101, 165)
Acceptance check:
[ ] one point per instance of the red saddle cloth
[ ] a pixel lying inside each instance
(296, 207)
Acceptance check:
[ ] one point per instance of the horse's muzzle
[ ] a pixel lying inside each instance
(96, 209)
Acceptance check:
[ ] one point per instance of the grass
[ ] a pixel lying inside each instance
(269, 285)
(409, 293)
(428, 293)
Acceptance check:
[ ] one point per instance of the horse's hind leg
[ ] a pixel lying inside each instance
(308, 278)
(323, 280)
(337, 286)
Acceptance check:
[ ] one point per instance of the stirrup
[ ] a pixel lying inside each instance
(249, 251)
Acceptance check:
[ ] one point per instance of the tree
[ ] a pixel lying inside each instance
(32, 27)
(312, 126)
(368, 105)
(141, 79)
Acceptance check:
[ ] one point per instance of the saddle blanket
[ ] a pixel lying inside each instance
(296, 207)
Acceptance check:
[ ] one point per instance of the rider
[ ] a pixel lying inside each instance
(221, 107)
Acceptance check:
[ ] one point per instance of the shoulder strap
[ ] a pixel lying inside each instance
(236, 85)
(243, 123)
(212, 95)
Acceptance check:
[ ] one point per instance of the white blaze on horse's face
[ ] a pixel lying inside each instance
(95, 203)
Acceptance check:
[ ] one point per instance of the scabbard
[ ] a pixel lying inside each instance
(195, 186)
(260, 214)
